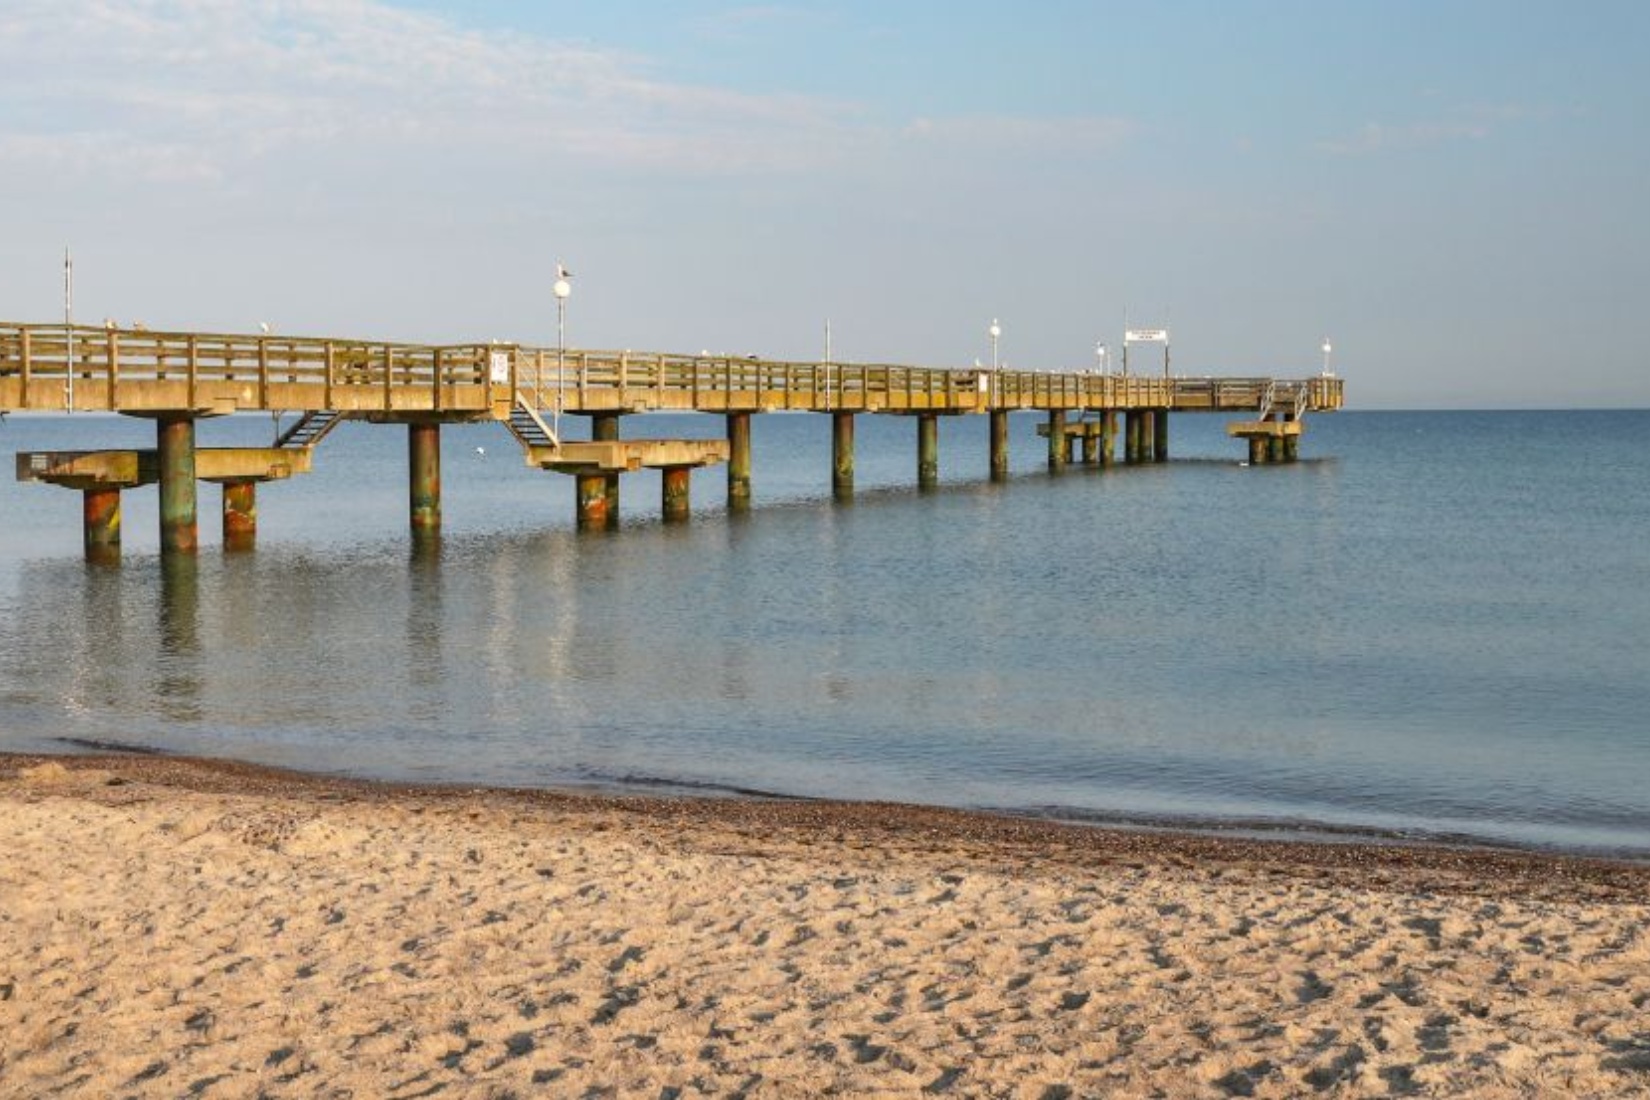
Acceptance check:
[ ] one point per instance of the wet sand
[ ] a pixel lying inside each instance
(181, 928)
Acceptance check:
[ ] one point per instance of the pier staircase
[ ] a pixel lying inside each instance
(310, 429)
(529, 427)
(1290, 400)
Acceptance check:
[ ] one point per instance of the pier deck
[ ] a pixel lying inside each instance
(176, 378)
(54, 368)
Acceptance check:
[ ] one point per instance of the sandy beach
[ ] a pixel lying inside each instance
(181, 928)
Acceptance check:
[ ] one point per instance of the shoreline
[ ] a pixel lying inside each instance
(177, 925)
(1315, 842)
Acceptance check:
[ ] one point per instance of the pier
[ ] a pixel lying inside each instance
(177, 378)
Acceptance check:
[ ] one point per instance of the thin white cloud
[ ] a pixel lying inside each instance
(1003, 134)
(223, 83)
(1464, 124)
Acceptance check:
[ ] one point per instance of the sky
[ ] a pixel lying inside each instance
(1453, 193)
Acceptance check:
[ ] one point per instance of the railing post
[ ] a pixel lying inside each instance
(27, 368)
(193, 369)
(114, 370)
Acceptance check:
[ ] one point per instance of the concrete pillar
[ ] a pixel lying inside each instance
(1291, 448)
(1108, 437)
(179, 533)
(999, 444)
(1160, 435)
(842, 455)
(1257, 450)
(1074, 448)
(604, 426)
(1147, 444)
(101, 512)
(1132, 436)
(1091, 446)
(675, 484)
(240, 515)
(1057, 439)
(739, 461)
(928, 450)
(592, 498)
(1274, 448)
(424, 479)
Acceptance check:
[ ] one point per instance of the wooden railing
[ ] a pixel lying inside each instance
(43, 366)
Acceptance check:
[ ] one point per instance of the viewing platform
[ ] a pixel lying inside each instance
(176, 378)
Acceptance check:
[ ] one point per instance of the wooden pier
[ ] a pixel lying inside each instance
(176, 378)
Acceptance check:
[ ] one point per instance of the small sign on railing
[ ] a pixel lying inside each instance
(498, 366)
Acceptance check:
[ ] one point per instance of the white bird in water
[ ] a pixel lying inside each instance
(481, 452)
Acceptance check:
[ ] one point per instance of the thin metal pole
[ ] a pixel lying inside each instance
(68, 327)
(561, 360)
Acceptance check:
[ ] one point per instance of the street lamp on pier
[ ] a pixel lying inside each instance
(1326, 350)
(562, 289)
(995, 332)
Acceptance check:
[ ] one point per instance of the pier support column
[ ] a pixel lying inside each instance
(1274, 449)
(1133, 436)
(175, 439)
(1160, 435)
(604, 427)
(675, 484)
(842, 455)
(592, 498)
(1291, 448)
(424, 479)
(739, 461)
(1257, 450)
(1108, 437)
(101, 512)
(1074, 449)
(1091, 448)
(1147, 444)
(240, 515)
(999, 444)
(928, 450)
(1057, 439)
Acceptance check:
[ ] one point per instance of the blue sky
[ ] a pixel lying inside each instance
(1452, 192)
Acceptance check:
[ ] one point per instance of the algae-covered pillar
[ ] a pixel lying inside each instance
(739, 461)
(1160, 435)
(1133, 436)
(1056, 439)
(424, 478)
(240, 515)
(1108, 437)
(928, 450)
(175, 440)
(592, 501)
(604, 427)
(999, 444)
(842, 455)
(675, 484)
(101, 516)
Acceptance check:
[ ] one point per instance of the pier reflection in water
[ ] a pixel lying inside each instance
(1195, 639)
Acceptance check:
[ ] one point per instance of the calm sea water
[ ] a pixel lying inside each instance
(1436, 625)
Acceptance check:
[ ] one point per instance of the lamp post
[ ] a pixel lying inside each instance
(562, 289)
(1103, 353)
(995, 332)
(1327, 348)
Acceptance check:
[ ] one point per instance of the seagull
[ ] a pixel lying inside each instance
(481, 452)
(562, 272)
(109, 323)
(264, 327)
